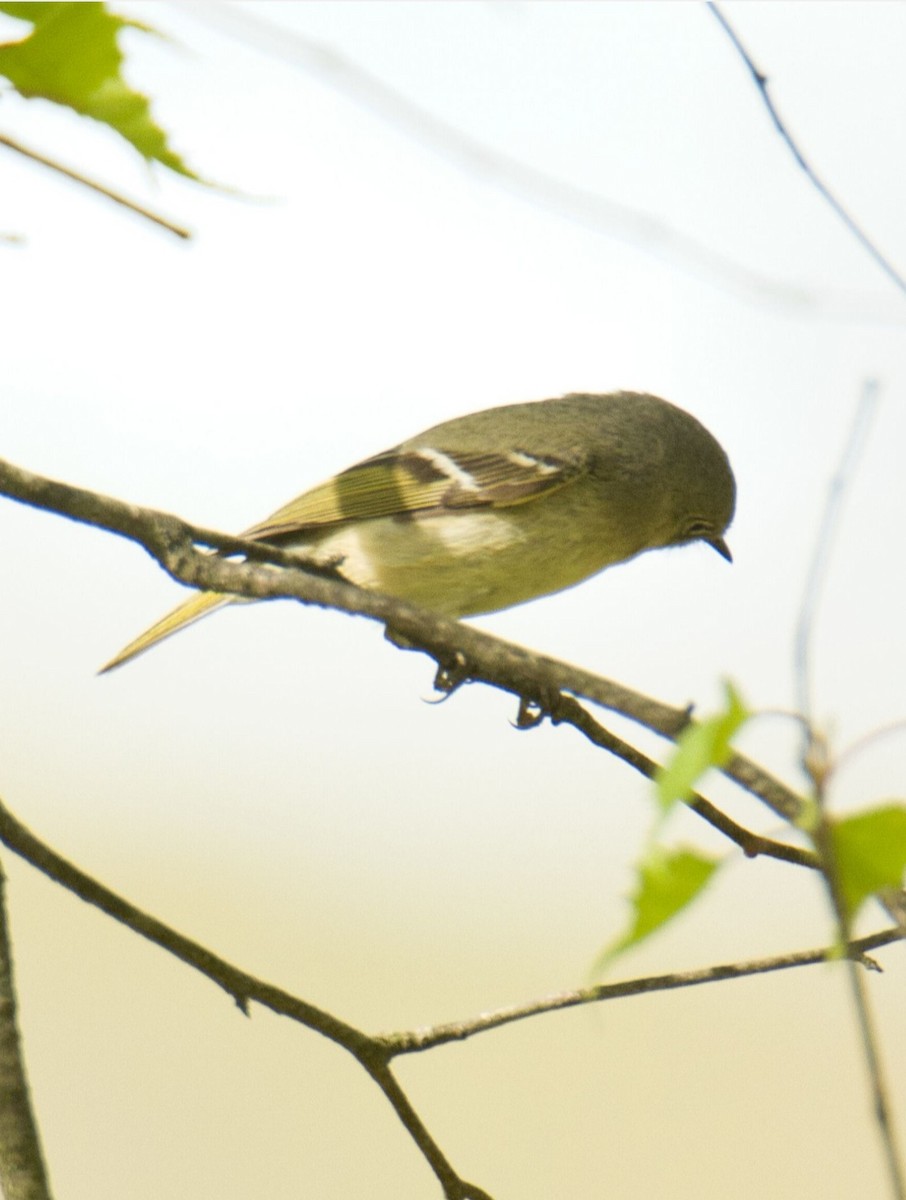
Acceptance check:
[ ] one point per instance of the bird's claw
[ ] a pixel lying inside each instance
(451, 675)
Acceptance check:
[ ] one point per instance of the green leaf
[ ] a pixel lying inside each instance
(870, 852)
(72, 57)
(701, 746)
(667, 882)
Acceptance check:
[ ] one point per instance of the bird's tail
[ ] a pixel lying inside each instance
(194, 609)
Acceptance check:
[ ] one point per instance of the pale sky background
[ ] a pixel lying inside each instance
(272, 782)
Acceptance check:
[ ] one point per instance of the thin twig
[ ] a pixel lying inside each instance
(23, 1175)
(567, 710)
(369, 1052)
(866, 741)
(838, 491)
(761, 82)
(819, 765)
(374, 1053)
(102, 190)
(453, 1186)
(877, 1083)
(823, 838)
(484, 161)
(458, 1031)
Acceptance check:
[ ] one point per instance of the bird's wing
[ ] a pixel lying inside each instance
(399, 482)
(421, 481)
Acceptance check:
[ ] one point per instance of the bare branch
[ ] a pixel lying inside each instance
(242, 987)
(867, 740)
(838, 490)
(823, 838)
(456, 1031)
(877, 1082)
(462, 653)
(102, 190)
(761, 82)
(375, 1053)
(568, 711)
(23, 1175)
(819, 764)
(485, 162)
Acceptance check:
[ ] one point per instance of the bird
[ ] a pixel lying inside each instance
(498, 507)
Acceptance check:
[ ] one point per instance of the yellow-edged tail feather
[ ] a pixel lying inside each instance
(191, 610)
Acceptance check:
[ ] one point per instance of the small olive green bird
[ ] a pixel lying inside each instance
(498, 507)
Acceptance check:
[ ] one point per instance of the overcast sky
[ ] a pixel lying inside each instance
(439, 207)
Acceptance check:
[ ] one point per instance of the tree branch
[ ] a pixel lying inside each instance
(485, 162)
(369, 1052)
(374, 1053)
(568, 711)
(761, 82)
(461, 652)
(23, 1175)
(457, 1031)
(101, 189)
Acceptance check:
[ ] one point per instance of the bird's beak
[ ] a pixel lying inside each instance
(721, 547)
